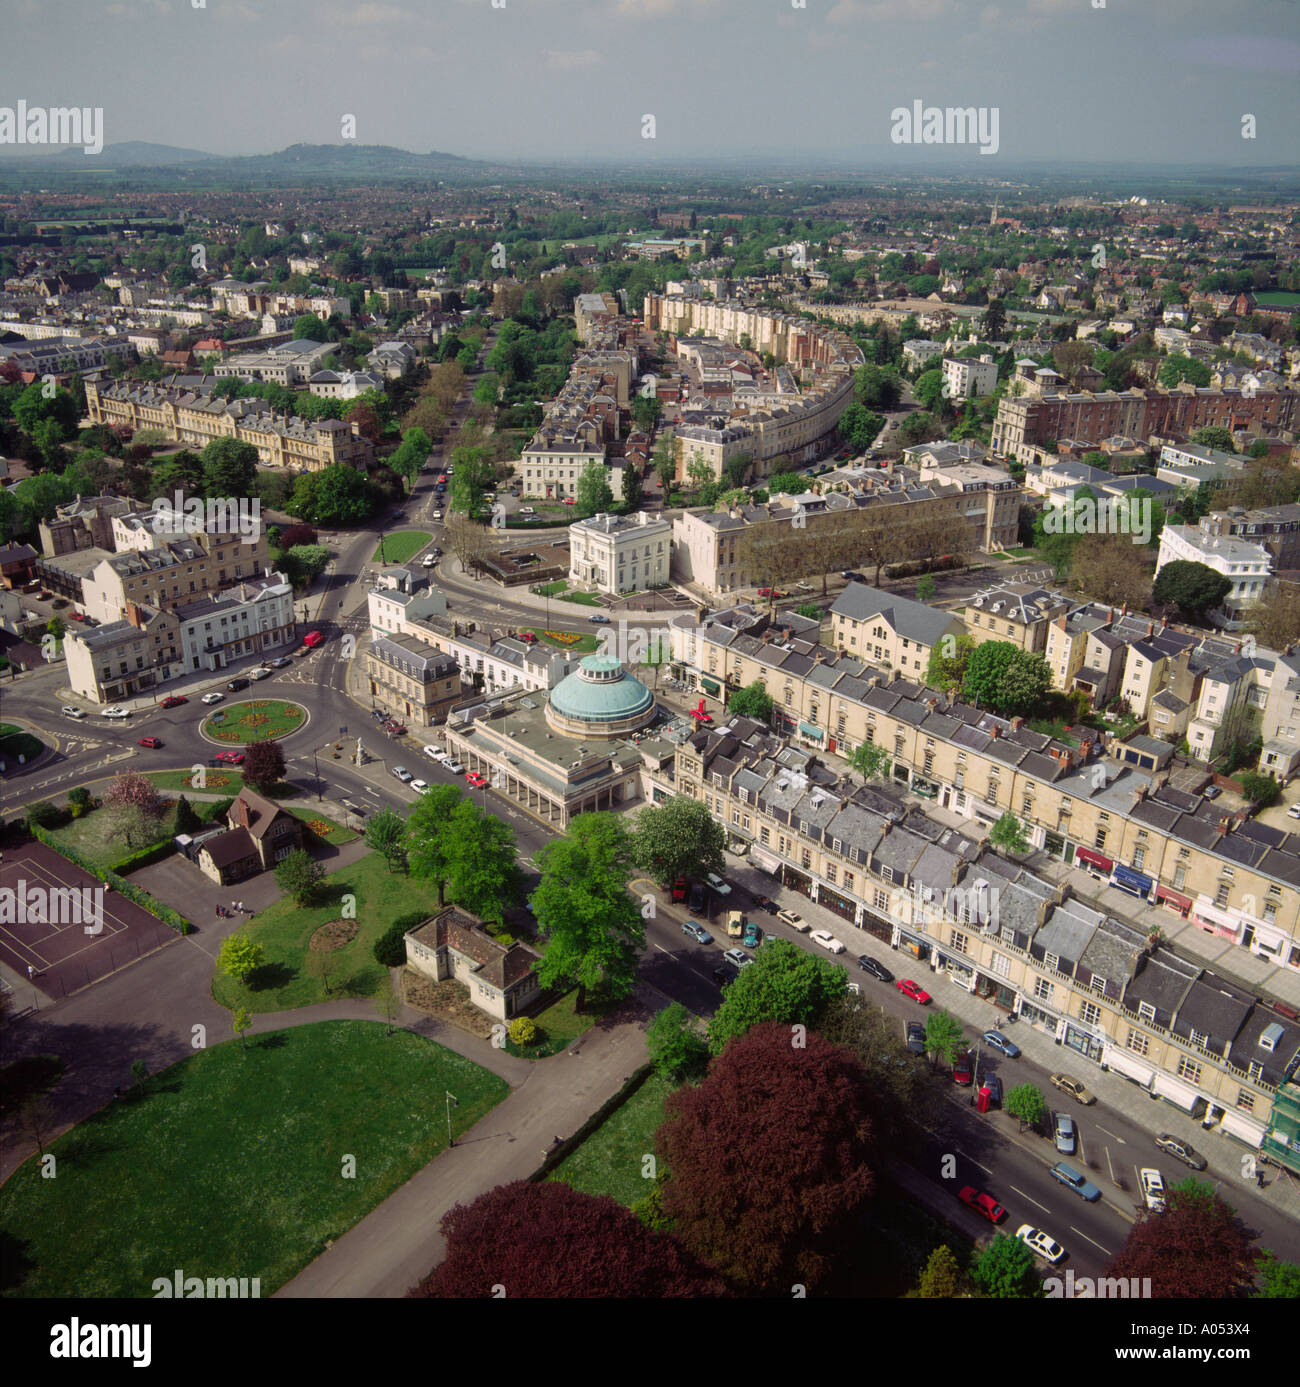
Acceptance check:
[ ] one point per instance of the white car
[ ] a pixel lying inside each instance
(453, 765)
(435, 753)
(1038, 1241)
(827, 940)
(717, 883)
(114, 710)
(1294, 811)
(213, 697)
(69, 711)
(1153, 1189)
(428, 561)
(435, 515)
(788, 917)
(419, 786)
(259, 673)
(527, 510)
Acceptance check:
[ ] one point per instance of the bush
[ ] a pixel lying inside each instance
(79, 801)
(390, 948)
(1262, 790)
(43, 814)
(523, 1030)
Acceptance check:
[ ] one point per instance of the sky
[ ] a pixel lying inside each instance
(1095, 81)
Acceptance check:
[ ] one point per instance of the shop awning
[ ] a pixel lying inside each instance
(1134, 882)
(1093, 859)
(710, 686)
(1174, 898)
(1123, 1063)
(1183, 1095)
(808, 730)
(764, 860)
(1238, 1125)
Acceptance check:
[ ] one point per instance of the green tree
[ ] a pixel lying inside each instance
(1194, 588)
(427, 845)
(928, 388)
(386, 833)
(753, 701)
(1216, 436)
(481, 871)
(1178, 368)
(299, 876)
(941, 1277)
(594, 494)
(677, 1050)
(186, 821)
(646, 410)
(1027, 1105)
(229, 468)
(239, 1023)
(944, 1036)
(948, 661)
(1005, 1270)
(1005, 678)
(592, 926)
(677, 840)
(239, 955)
(309, 328)
(784, 983)
(871, 762)
(1009, 834)
(664, 459)
(1261, 790)
(926, 588)
(1275, 1279)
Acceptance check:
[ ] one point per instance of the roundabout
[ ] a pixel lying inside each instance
(258, 720)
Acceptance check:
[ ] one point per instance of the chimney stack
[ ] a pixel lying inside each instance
(1017, 724)
(932, 703)
(1151, 629)
(995, 731)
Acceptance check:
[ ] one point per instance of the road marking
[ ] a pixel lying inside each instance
(1093, 1241)
(1031, 1199)
(1109, 1133)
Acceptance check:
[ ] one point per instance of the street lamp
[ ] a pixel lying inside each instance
(316, 767)
(452, 1101)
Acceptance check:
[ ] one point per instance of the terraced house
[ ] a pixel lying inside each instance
(1121, 820)
(1104, 987)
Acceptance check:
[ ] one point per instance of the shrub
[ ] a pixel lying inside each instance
(390, 947)
(523, 1030)
(43, 814)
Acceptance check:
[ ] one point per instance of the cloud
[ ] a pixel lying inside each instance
(1239, 53)
(658, 9)
(889, 11)
(561, 60)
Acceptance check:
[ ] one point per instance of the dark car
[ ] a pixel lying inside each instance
(1181, 1150)
(916, 1037)
(237, 684)
(994, 1086)
(877, 970)
(724, 974)
(695, 900)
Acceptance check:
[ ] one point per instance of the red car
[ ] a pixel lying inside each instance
(312, 638)
(528, 638)
(570, 501)
(914, 990)
(770, 592)
(173, 701)
(983, 1204)
(230, 758)
(961, 1070)
(476, 779)
(150, 742)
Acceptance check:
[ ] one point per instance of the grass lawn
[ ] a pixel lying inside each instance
(551, 589)
(322, 827)
(609, 1161)
(230, 1163)
(256, 721)
(559, 1025)
(586, 599)
(284, 930)
(1053, 727)
(96, 834)
(583, 645)
(1021, 553)
(15, 743)
(400, 546)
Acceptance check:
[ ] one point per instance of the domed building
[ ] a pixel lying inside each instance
(600, 701)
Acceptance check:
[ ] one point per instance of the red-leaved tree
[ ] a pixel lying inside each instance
(548, 1240)
(136, 806)
(769, 1159)
(263, 765)
(1195, 1250)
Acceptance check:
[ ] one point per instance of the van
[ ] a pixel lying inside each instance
(735, 924)
(695, 900)
(312, 638)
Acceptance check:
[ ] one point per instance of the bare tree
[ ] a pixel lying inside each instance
(467, 539)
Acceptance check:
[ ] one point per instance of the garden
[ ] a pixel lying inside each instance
(400, 546)
(256, 721)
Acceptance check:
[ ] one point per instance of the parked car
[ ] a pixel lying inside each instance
(1212, 792)
(114, 710)
(752, 938)
(696, 900)
(914, 990)
(598, 619)
(569, 500)
(1073, 1087)
(528, 637)
(724, 974)
(877, 970)
(403, 774)
(716, 882)
(1181, 1150)
(476, 778)
(1037, 1241)
(236, 684)
(739, 957)
(1069, 1177)
(696, 932)
(213, 697)
(69, 711)
(766, 903)
(435, 753)
(153, 743)
(796, 922)
(453, 765)
(173, 701)
(1153, 1189)
(1066, 1134)
(770, 592)
(916, 1037)
(962, 1070)
(990, 1081)
(850, 576)
(435, 515)
(230, 758)
(983, 1204)
(997, 1041)
(419, 786)
(259, 673)
(428, 561)
(527, 510)
(827, 940)
(1294, 811)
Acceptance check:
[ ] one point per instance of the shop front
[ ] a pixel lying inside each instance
(1036, 1016)
(1214, 920)
(1132, 882)
(1094, 863)
(913, 946)
(1056, 846)
(1121, 1062)
(1173, 900)
(710, 686)
(927, 789)
(1083, 1039)
(957, 968)
(841, 905)
(796, 881)
(764, 860)
(1244, 1129)
(813, 734)
(1181, 1095)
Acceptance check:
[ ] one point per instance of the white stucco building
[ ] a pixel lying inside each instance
(620, 553)
(1246, 565)
(965, 377)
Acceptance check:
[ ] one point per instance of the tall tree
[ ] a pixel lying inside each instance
(753, 701)
(386, 834)
(592, 926)
(594, 493)
(1006, 678)
(1005, 1270)
(677, 840)
(784, 983)
(771, 1159)
(263, 764)
(481, 870)
(427, 845)
(1194, 588)
(229, 468)
(1196, 1250)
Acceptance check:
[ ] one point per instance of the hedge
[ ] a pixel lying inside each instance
(143, 899)
(144, 857)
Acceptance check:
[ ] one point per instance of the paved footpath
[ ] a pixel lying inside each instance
(399, 1243)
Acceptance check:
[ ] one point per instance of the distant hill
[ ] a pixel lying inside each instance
(136, 153)
(347, 158)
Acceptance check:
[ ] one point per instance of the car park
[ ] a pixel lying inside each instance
(173, 701)
(827, 941)
(212, 697)
(236, 684)
(1066, 1134)
(1038, 1242)
(916, 1037)
(738, 957)
(403, 774)
(69, 711)
(696, 899)
(1073, 1087)
(877, 970)
(1153, 1189)
(995, 1040)
(983, 1204)
(1072, 1180)
(453, 765)
(1181, 1150)
(796, 922)
(153, 743)
(716, 882)
(962, 1070)
(476, 779)
(115, 710)
(914, 990)
(696, 932)
(230, 758)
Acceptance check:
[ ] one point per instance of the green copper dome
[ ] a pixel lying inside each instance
(600, 691)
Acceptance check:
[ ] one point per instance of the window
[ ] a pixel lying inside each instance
(1188, 1069)
(1098, 985)
(1043, 990)
(1052, 961)
(1137, 1042)
(880, 899)
(1100, 840)
(960, 943)
(1246, 1101)
(1199, 1039)
(848, 881)
(1146, 1011)
(1090, 1013)
(830, 872)
(1001, 965)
